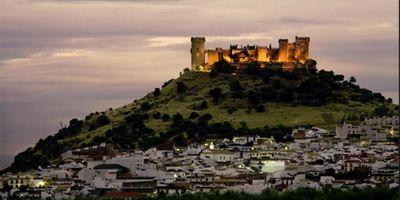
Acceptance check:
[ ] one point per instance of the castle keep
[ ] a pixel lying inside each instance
(288, 55)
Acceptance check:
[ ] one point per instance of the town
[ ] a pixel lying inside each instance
(354, 156)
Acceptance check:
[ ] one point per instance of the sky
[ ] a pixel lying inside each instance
(63, 59)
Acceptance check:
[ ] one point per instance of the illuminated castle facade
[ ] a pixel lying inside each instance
(288, 55)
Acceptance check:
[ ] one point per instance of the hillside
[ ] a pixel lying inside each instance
(199, 105)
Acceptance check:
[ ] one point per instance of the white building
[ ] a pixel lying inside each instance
(346, 129)
(132, 161)
(218, 155)
(246, 139)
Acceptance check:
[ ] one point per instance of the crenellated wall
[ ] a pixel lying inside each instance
(288, 54)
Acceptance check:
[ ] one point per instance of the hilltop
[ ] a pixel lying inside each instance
(198, 105)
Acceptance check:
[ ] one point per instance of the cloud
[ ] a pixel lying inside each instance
(171, 41)
(110, 1)
(307, 21)
(383, 26)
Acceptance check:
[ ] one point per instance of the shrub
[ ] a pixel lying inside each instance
(235, 86)
(223, 67)
(193, 115)
(157, 115)
(181, 87)
(200, 105)
(99, 122)
(205, 118)
(253, 97)
(216, 93)
(165, 117)
(213, 73)
(145, 106)
(260, 108)
(73, 121)
(165, 84)
(177, 118)
(157, 92)
(231, 110)
(381, 111)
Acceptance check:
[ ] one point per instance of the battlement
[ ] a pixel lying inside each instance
(194, 39)
(288, 55)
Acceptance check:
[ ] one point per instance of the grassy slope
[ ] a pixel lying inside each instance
(199, 85)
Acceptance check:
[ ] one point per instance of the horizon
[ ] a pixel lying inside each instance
(65, 59)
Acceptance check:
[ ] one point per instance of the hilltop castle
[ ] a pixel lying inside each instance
(288, 55)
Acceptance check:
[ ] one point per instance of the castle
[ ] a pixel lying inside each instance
(289, 55)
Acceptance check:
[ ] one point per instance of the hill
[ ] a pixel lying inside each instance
(222, 103)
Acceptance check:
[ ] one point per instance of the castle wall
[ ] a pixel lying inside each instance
(226, 57)
(291, 53)
(197, 52)
(212, 57)
(287, 55)
(283, 50)
(301, 48)
(263, 54)
(274, 54)
(251, 52)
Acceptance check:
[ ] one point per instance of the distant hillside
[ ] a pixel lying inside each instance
(198, 105)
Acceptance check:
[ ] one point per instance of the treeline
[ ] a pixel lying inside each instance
(181, 131)
(305, 86)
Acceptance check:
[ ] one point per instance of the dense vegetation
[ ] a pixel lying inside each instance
(264, 101)
(299, 194)
(305, 86)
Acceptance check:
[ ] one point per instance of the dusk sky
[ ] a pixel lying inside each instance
(63, 59)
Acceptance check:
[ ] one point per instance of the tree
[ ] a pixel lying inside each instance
(223, 67)
(381, 111)
(235, 86)
(181, 87)
(253, 69)
(352, 80)
(157, 115)
(165, 117)
(243, 125)
(177, 118)
(231, 109)
(213, 73)
(166, 83)
(145, 106)
(200, 105)
(73, 121)
(157, 92)
(260, 108)
(102, 120)
(216, 93)
(193, 115)
(253, 97)
(311, 66)
(205, 118)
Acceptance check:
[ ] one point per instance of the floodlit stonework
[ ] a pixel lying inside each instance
(288, 55)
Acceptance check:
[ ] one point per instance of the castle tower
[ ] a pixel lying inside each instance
(283, 50)
(198, 54)
(302, 48)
